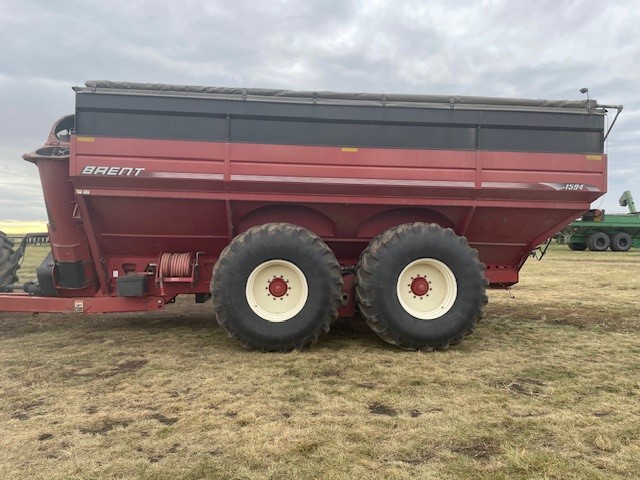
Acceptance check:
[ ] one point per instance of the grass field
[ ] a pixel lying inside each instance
(547, 387)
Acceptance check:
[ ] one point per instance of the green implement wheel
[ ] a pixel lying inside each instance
(621, 242)
(598, 242)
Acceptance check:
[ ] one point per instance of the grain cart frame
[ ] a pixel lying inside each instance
(291, 208)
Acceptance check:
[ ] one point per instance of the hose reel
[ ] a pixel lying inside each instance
(172, 265)
(179, 267)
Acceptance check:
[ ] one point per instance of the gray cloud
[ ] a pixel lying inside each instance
(542, 49)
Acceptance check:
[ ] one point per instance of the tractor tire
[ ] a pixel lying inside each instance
(6, 248)
(420, 286)
(276, 287)
(8, 275)
(4, 239)
(621, 242)
(577, 247)
(598, 242)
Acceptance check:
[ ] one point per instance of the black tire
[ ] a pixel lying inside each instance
(577, 247)
(6, 248)
(5, 255)
(379, 278)
(598, 242)
(251, 252)
(621, 242)
(8, 274)
(4, 240)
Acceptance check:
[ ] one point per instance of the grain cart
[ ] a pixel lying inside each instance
(598, 231)
(289, 208)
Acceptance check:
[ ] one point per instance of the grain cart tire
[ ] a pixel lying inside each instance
(420, 286)
(598, 242)
(621, 242)
(276, 287)
(577, 247)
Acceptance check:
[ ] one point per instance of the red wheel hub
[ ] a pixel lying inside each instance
(278, 287)
(419, 286)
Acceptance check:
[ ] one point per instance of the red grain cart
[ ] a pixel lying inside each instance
(290, 208)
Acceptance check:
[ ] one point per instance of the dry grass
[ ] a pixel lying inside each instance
(547, 387)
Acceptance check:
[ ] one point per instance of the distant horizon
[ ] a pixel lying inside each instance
(17, 227)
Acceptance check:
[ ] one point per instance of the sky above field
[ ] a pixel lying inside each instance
(533, 49)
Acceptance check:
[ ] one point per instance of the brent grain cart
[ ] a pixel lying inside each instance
(290, 208)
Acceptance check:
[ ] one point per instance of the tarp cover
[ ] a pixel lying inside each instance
(295, 96)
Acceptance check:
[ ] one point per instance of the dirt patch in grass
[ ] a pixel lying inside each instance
(100, 372)
(104, 427)
(382, 409)
(163, 420)
(525, 386)
(481, 450)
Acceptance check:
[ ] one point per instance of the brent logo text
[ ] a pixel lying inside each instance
(112, 171)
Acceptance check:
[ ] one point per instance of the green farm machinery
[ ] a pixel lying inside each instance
(599, 232)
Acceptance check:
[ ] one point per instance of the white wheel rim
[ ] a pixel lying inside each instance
(427, 288)
(277, 290)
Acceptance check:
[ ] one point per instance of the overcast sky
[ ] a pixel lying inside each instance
(533, 49)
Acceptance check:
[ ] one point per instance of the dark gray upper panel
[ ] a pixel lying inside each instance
(326, 118)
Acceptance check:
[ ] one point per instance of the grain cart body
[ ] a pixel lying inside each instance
(146, 184)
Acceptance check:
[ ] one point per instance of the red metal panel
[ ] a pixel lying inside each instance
(546, 162)
(352, 156)
(133, 148)
(158, 159)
